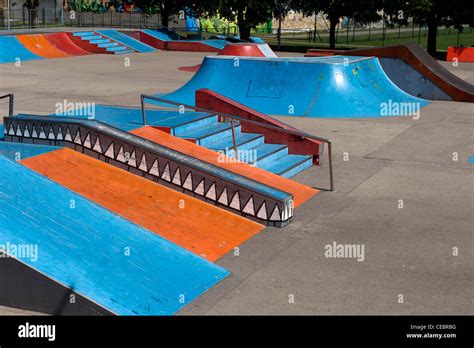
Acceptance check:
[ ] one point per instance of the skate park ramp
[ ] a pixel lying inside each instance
(412, 69)
(126, 40)
(18, 151)
(64, 43)
(39, 45)
(12, 49)
(312, 87)
(197, 226)
(83, 247)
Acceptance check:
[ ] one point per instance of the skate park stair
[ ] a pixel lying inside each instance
(179, 171)
(103, 42)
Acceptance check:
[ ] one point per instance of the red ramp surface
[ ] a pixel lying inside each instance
(197, 226)
(39, 45)
(64, 43)
(462, 54)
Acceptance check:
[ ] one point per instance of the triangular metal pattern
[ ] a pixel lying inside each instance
(142, 165)
(77, 138)
(120, 155)
(110, 151)
(177, 177)
(87, 141)
(51, 133)
(235, 201)
(262, 212)
(133, 159)
(42, 134)
(154, 168)
(5, 130)
(188, 183)
(60, 134)
(223, 197)
(11, 131)
(18, 131)
(249, 209)
(34, 134)
(211, 193)
(166, 173)
(26, 132)
(275, 214)
(68, 137)
(199, 190)
(97, 147)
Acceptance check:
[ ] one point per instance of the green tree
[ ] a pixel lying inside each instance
(434, 12)
(361, 11)
(248, 14)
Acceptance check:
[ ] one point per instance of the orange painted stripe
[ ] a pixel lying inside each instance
(39, 45)
(301, 193)
(197, 226)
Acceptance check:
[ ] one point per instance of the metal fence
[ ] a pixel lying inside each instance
(29, 19)
(112, 19)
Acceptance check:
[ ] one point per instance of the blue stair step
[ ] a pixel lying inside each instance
(124, 52)
(265, 153)
(244, 141)
(289, 165)
(91, 37)
(116, 48)
(211, 133)
(83, 33)
(180, 124)
(110, 44)
(99, 41)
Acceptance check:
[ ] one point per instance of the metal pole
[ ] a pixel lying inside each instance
(233, 140)
(10, 106)
(279, 26)
(143, 109)
(9, 5)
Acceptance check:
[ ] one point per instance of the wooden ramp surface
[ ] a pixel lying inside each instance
(195, 225)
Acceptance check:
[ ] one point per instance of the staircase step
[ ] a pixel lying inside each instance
(211, 133)
(83, 33)
(265, 153)
(91, 37)
(116, 48)
(105, 45)
(245, 141)
(124, 52)
(99, 41)
(289, 165)
(181, 124)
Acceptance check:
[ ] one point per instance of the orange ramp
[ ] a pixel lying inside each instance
(193, 224)
(39, 45)
(301, 193)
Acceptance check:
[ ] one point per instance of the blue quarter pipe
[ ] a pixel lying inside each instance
(335, 86)
(12, 49)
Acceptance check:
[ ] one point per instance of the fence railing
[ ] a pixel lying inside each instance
(29, 19)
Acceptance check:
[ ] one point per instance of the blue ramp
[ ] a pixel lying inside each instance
(84, 247)
(313, 87)
(11, 49)
(126, 40)
(19, 151)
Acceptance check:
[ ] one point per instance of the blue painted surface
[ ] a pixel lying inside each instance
(165, 37)
(18, 151)
(2, 136)
(471, 159)
(126, 40)
(84, 248)
(103, 42)
(313, 87)
(11, 49)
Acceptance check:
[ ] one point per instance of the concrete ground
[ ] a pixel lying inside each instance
(377, 162)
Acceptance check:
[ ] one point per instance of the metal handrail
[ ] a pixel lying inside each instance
(233, 118)
(11, 101)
